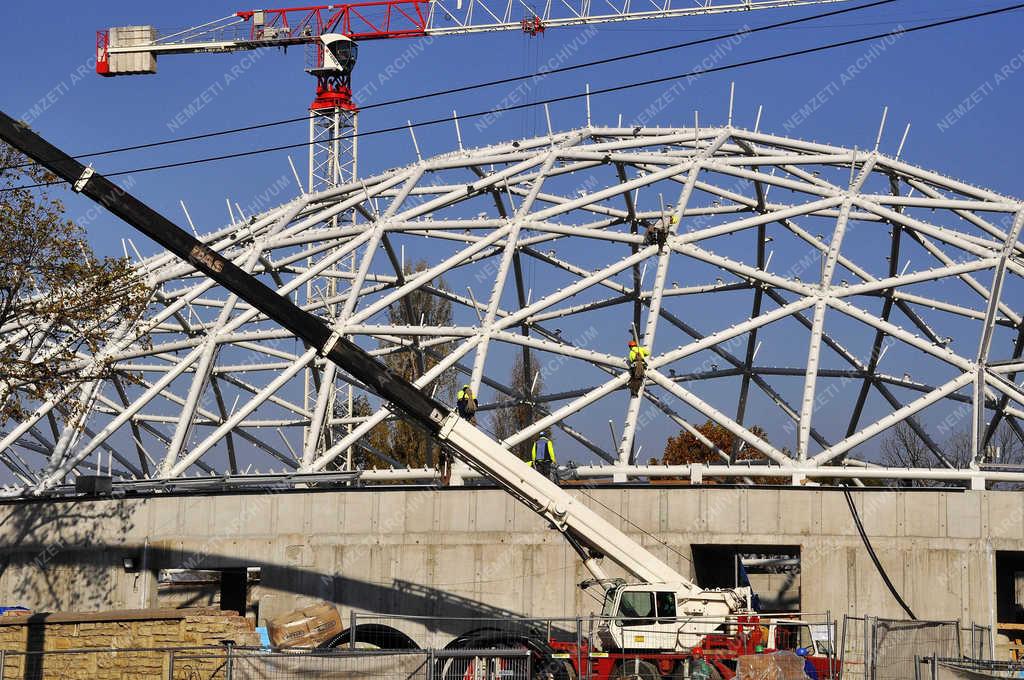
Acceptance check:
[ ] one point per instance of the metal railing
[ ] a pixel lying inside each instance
(938, 668)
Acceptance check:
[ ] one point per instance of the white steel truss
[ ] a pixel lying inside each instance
(820, 293)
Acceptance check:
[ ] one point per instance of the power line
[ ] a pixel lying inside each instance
(490, 83)
(632, 55)
(568, 97)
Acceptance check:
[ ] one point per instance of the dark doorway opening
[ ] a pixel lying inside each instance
(772, 571)
(229, 589)
(234, 590)
(1010, 586)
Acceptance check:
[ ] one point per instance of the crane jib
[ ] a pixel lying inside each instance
(423, 410)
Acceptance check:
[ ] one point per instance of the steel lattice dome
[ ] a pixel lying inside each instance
(820, 293)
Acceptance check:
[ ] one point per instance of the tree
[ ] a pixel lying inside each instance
(902, 447)
(1008, 444)
(400, 439)
(59, 302)
(515, 414)
(685, 448)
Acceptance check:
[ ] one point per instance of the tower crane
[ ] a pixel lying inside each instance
(334, 32)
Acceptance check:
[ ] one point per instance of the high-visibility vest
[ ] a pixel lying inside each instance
(637, 352)
(550, 450)
(464, 393)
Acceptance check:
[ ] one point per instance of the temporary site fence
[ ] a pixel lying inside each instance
(790, 631)
(440, 632)
(888, 649)
(503, 647)
(246, 663)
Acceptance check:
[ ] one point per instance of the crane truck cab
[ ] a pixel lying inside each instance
(666, 617)
(790, 634)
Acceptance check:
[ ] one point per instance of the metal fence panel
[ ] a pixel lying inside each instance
(976, 642)
(896, 644)
(969, 669)
(886, 649)
(347, 665)
(852, 648)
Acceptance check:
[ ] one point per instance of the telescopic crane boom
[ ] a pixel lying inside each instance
(589, 534)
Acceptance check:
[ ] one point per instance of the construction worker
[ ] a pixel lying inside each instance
(545, 464)
(466, 403)
(700, 669)
(637, 361)
(657, 232)
(809, 670)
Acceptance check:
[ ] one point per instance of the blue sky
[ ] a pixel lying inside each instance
(921, 77)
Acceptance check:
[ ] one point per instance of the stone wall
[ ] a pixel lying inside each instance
(113, 635)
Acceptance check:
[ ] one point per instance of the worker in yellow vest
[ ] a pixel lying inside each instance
(545, 463)
(637, 361)
(467, 404)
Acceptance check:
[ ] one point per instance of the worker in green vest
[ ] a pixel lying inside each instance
(545, 463)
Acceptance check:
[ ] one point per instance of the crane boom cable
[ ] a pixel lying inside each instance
(568, 97)
(490, 83)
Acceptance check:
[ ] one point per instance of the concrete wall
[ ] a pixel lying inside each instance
(458, 552)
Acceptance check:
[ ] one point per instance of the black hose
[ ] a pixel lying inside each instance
(874, 557)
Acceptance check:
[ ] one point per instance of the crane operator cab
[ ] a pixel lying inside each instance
(665, 616)
(339, 55)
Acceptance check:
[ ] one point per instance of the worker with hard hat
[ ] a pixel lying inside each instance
(700, 669)
(544, 463)
(637, 361)
(809, 669)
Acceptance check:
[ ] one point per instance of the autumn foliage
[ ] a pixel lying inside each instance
(686, 448)
(59, 302)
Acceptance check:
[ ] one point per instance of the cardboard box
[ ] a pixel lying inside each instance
(306, 627)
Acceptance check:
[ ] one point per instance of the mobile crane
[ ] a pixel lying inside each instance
(634, 612)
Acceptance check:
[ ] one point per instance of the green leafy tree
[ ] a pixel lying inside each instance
(59, 302)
